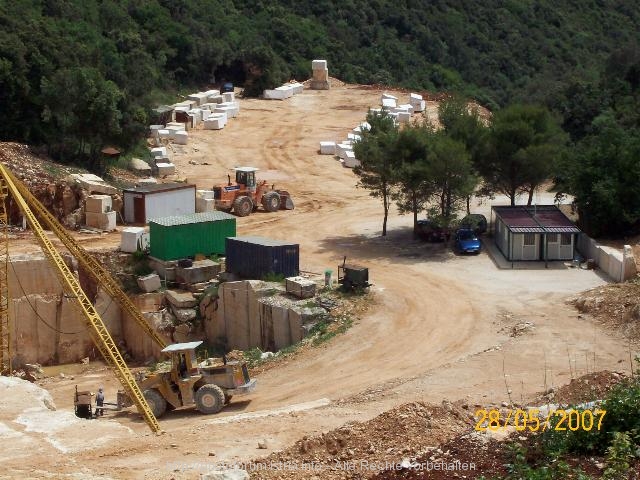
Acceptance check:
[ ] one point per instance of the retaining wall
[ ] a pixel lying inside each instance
(620, 266)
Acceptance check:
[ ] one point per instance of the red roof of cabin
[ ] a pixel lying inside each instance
(535, 219)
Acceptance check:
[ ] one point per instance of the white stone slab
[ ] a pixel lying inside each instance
(98, 204)
(350, 160)
(404, 117)
(164, 133)
(407, 107)
(181, 138)
(159, 152)
(133, 238)
(318, 64)
(419, 106)
(103, 221)
(165, 169)
(388, 96)
(327, 148)
(229, 97)
(215, 122)
(388, 103)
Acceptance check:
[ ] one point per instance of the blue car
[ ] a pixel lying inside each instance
(466, 241)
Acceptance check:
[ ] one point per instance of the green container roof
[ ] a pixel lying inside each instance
(192, 218)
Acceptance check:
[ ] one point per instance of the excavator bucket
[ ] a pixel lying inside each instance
(286, 203)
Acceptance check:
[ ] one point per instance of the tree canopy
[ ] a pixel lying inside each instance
(142, 53)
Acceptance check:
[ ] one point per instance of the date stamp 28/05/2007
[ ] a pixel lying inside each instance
(532, 419)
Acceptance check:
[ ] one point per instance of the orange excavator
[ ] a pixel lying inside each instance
(246, 194)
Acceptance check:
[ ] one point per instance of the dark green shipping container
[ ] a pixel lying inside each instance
(173, 238)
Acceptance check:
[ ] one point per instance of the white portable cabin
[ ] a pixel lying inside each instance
(539, 232)
(160, 200)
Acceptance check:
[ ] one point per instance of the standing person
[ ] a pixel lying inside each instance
(100, 402)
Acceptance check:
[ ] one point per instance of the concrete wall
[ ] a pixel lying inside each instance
(620, 266)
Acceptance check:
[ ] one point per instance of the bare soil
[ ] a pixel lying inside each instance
(440, 329)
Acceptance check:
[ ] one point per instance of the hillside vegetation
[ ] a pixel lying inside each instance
(76, 75)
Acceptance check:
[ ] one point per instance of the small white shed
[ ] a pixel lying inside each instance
(145, 202)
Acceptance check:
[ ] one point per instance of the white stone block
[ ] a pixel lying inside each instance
(407, 107)
(164, 133)
(98, 204)
(133, 239)
(327, 148)
(353, 137)
(205, 194)
(387, 96)
(229, 111)
(319, 65)
(181, 138)
(165, 169)
(103, 221)
(342, 149)
(174, 125)
(420, 106)
(297, 88)
(388, 103)
(215, 122)
(149, 283)
(229, 97)
(159, 152)
(414, 98)
(199, 97)
(404, 117)
(205, 205)
(153, 129)
(350, 160)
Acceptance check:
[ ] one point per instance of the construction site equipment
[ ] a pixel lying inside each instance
(353, 277)
(244, 196)
(91, 266)
(209, 385)
(5, 335)
(101, 337)
(82, 404)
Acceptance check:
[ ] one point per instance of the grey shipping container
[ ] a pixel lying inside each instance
(255, 257)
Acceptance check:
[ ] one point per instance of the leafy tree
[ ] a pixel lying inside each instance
(411, 174)
(376, 171)
(450, 173)
(604, 175)
(75, 101)
(523, 145)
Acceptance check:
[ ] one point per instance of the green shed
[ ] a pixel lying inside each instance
(173, 238)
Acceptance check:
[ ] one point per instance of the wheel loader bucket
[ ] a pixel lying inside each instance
(286, 203)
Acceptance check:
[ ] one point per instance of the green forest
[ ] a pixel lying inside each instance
(78, 75)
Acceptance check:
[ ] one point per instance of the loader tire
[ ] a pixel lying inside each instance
(209, 399)
(242, 206)
(156, 402)
(271, 201)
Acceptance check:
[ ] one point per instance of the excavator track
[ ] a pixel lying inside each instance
(99, 332)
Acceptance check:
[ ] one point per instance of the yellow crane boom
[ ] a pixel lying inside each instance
(5, 334)
(99, 332)
(91, 266)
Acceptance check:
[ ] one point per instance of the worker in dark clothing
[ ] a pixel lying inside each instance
(183, 366)
(100, 402)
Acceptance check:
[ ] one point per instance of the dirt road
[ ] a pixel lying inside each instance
(442, 327)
